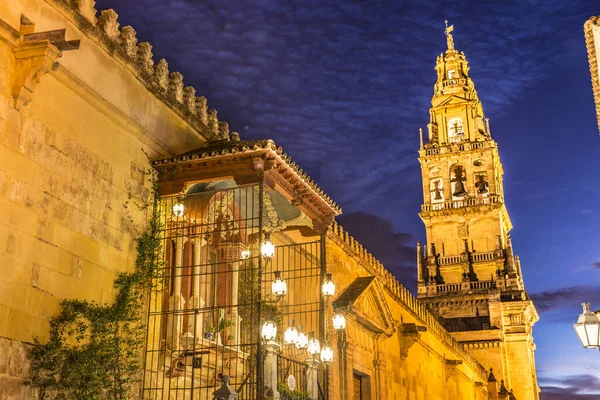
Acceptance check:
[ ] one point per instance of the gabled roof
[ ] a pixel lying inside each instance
(365, 300)
(265, 148)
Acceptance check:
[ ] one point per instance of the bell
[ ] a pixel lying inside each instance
(438, 195)
(482, 186)
(459, 189)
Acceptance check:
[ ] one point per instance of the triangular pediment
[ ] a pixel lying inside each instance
(365, 301)
(448, 101)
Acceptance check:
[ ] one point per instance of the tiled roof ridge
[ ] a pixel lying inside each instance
(593, 60)
(123, 45)
(400, 292)
(229, 147)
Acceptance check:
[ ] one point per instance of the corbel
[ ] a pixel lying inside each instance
(34, 56)
(450, 366)
(409, 334)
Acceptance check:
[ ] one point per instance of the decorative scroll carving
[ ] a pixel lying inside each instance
(408, 334)
(34, 57)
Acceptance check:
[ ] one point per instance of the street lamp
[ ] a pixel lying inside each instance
(326, 354)
(588, 328)
(339, 322)
(178, 209)
(290, 336)
(302, 342)
(314, 347)
(278, 286)
(245, 254)
(269, 331)
(267, 248)
(328, 286)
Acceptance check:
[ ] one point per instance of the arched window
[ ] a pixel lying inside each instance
(455, 129)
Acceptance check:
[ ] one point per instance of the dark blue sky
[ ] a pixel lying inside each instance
(344, 86)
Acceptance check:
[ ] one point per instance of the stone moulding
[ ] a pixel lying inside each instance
(588, 29)
(122, 44)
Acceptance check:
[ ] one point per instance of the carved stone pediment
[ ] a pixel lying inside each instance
(365, 301)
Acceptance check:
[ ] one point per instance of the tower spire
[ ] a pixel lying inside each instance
(449, 38)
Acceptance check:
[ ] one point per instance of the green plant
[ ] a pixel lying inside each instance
(287, 394)
(94, 349)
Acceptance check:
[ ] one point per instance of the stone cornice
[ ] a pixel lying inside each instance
(588, 28)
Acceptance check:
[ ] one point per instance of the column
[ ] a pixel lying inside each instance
(312, 378)
(176, 301)
(270, 370)
(196, 323)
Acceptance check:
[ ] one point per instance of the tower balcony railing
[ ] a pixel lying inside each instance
(458, 144)
(457, 204)
(454, 82)
(475, 257)
(465, 286)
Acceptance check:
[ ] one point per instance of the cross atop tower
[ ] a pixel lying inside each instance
(448, 31)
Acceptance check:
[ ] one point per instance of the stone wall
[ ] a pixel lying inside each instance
(74, 125)
(432, 366)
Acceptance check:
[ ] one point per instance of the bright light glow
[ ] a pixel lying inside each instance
(245, 254)
(326, 354)
(588, 328)
(314, 347)
(267, 248)
(278, 287)
(302, 342)
(178, 209)
(268, 331)
(290, 336)
(328, 286)
(339, 322)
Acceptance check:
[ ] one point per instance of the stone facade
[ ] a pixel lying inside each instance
(467, 271)
(81, 101)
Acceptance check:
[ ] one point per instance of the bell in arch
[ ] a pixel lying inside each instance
(459, 186)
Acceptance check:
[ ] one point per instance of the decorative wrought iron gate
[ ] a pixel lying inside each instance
(215, 291)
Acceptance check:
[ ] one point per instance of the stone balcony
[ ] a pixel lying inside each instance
(456, 146)
(458, 204)
(458, 288)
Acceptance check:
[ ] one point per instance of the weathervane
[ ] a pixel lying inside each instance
(449, 37)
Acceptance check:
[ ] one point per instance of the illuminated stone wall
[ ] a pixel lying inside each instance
(73, 127)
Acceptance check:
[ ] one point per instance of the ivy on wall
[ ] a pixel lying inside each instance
(94, 350)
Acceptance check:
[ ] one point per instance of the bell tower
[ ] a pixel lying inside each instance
(468, 274)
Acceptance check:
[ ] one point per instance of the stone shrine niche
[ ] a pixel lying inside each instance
(482, 186)
(437, 190)
(457, 182)
(456, 131)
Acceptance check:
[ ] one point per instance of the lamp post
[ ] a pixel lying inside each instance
(588, 328)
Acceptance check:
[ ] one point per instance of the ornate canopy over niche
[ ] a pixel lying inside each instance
(365, 301)
(243, 162)
(278, 212)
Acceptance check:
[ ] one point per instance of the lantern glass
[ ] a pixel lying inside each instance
(278, 286)
(326, 354)
(328, 286)
(267, 248)
(339, 322)
(302, 342)
(245, 254)
(290, 336)
(314, 347)
(269, 331)
(178, 209)
(588, 328)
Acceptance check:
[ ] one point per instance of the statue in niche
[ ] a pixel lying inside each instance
(483, 187)
(437, 190)
(458, 177)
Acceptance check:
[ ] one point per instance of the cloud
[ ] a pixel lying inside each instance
(396, 250)
(345, 87)
(574, 387)
(596, 264)
(566, 297)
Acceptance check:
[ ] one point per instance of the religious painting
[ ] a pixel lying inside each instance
(456, 131)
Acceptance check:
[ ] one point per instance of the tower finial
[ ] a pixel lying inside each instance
(449, 38)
